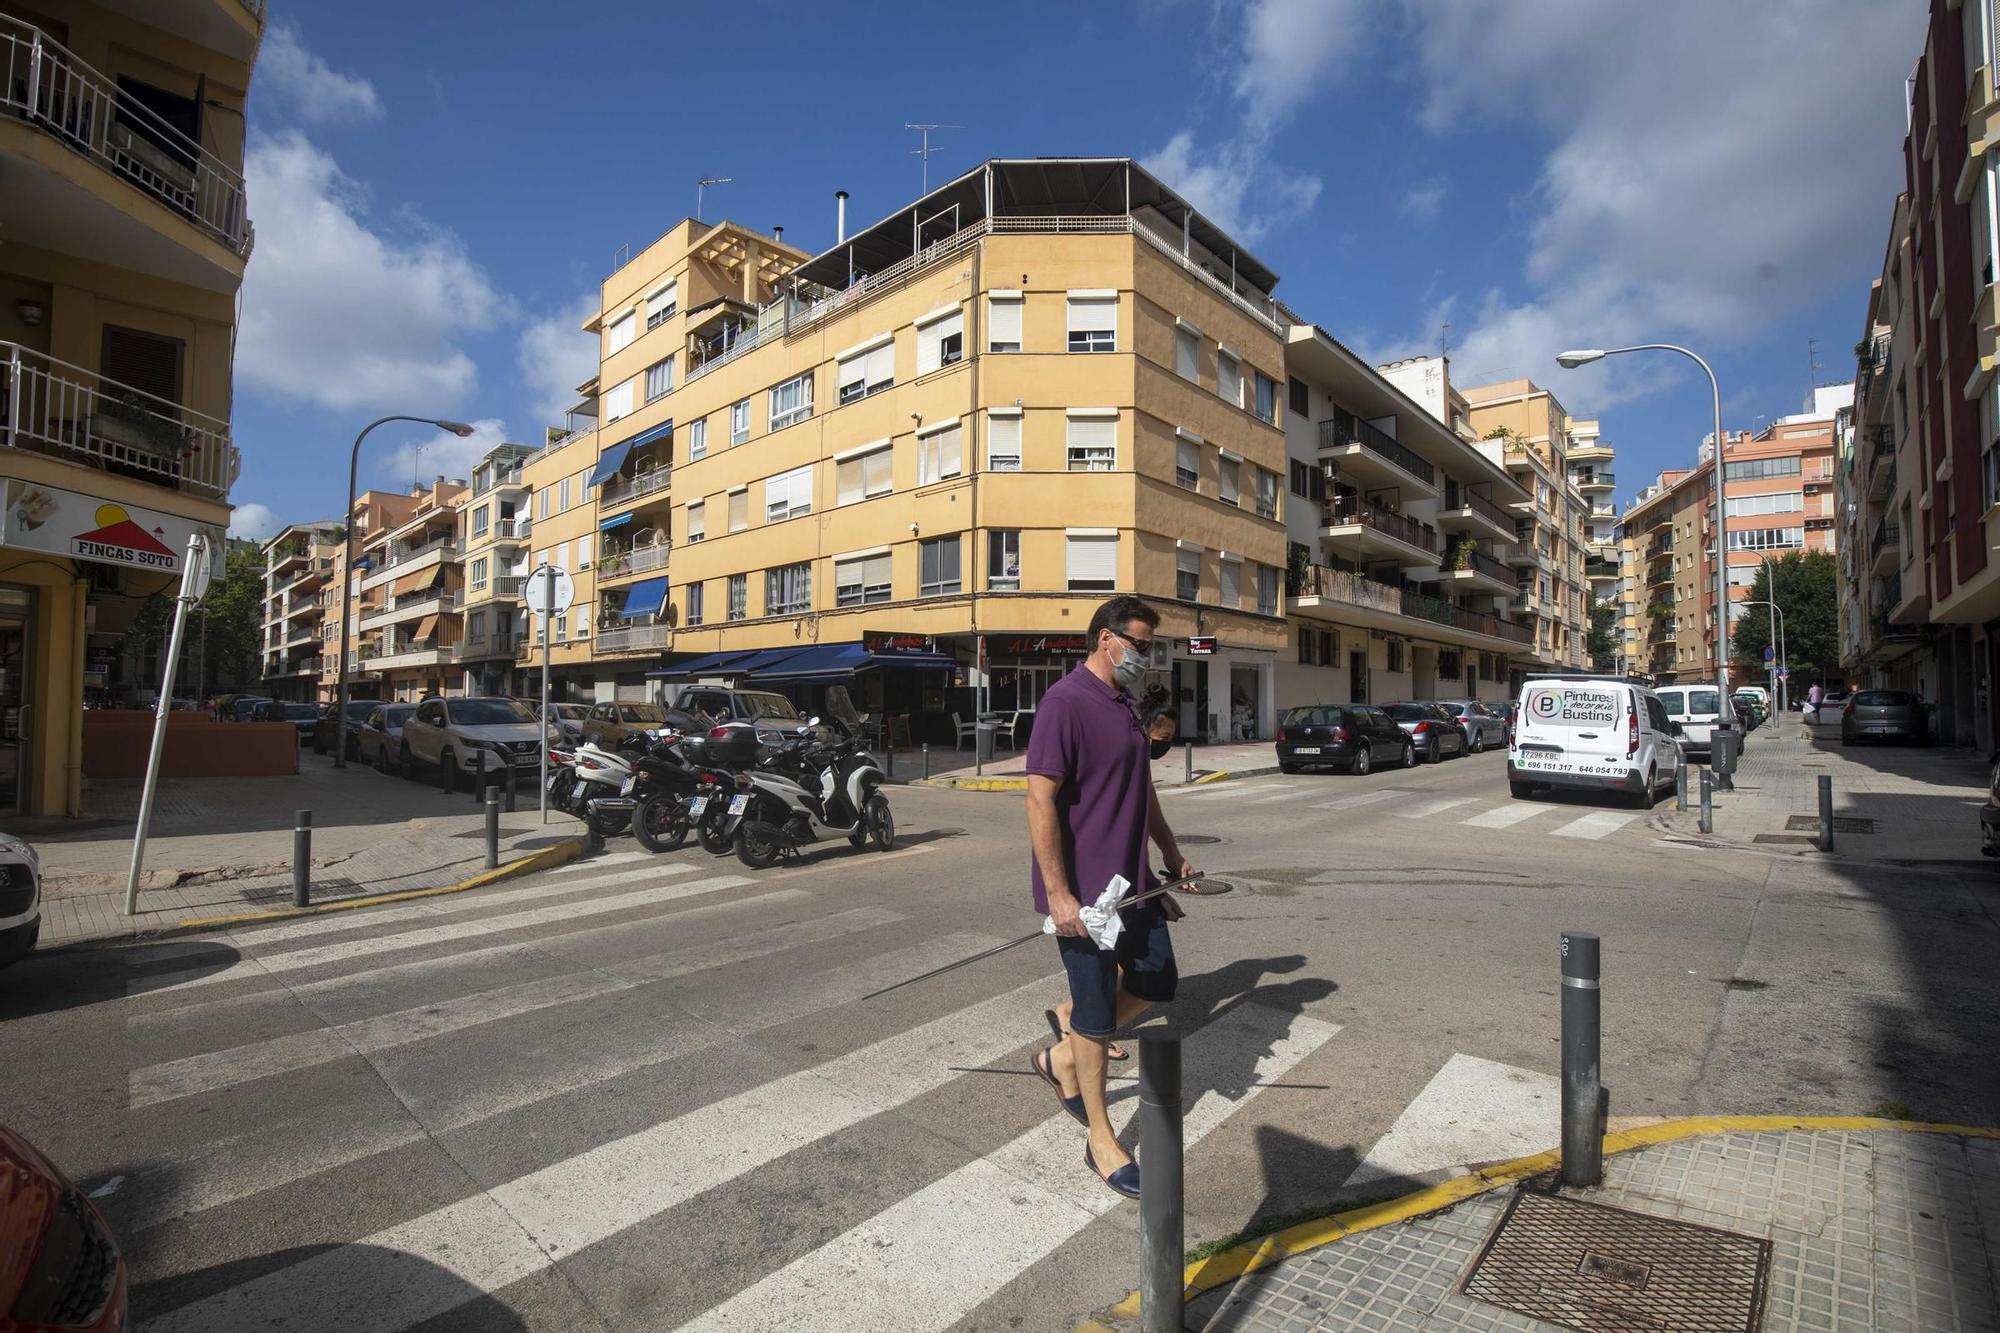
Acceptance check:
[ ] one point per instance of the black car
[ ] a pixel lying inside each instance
(1355, 737)
(357, 713)
(305, 717)
(1431, 728)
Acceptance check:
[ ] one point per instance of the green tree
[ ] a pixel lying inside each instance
(234, 607)
(1802, 583)
(1602, 643)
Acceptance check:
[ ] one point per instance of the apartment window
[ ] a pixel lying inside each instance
(739, 509)
(562, 625)
(1766, 539)
(475, 627)
(859, 580)
(1395, 654)
(1790, 502)
(863, 475)
(691, 601)
(697, 438)
(1267, 398)
(1003, 441)
(1090, 562)
(940, 454)
(1003, 323)
(940, 341)
(739, 421)
(788, 495)
(1003, 560)
(1093, 323)
(562, 496)
(1228, 476)
(1187, 352)
(1298, 397)
(479, 568)
(788, 589)
(1267, 493)
(790, 402)
(1228, 377)
(661, 304)
(479, 520)
(1187, 465)
(1092, 443)
(1267, 590)
(938, 567)
(659, 379)
(1229, 579)
(1187, 575)
(739, 596)
(1308, 483)
(866, 370)
(617, 401)
(618, 334)
(1756, 469)
(697, 521)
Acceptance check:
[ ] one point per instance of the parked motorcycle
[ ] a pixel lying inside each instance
(811, 783)
(595, 785)
(676, 786)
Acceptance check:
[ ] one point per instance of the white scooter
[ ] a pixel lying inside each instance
(595, 785)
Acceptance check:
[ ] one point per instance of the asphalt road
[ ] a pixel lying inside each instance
(645, 1092)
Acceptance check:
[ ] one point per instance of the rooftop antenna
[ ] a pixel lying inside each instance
(701, 187)
(1812, 370)
(926, 151)
(1444, 339)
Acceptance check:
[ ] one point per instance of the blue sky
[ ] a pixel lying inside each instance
(438, 188)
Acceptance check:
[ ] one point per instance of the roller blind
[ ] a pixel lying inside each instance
(861, 477)
(1092, 314)
(1091, 561)
(1003, 333)
(618, 401)
(1231, 572)
(739, 511)
(618, 334)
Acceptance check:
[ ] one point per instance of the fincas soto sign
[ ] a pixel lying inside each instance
(84, 527)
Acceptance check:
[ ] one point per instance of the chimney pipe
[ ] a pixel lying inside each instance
(840, 228)
(778, 234)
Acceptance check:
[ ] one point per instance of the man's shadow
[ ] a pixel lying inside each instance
(1224, 1061)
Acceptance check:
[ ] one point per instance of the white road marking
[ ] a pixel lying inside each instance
(1364, 798)
(1231, 791)
(599, 862)
(1593, 826)
(1425, 809)
(934, 1256)
(440, 1261)
(1471, 1111)
(1289, 794)
(1507, 816)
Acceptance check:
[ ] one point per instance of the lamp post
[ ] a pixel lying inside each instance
(1778, 659)
(458, 428)
(1583, 357)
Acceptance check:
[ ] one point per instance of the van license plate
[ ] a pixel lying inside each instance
(738, 804)
(1305, 749)
(696, 806)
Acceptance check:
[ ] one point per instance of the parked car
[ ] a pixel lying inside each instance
(1355, 737)
(1431, 728)
(60, 1268)
(1884, 715)
(1485, 726)
(379, 740)
(448, 734)
(1695, 708)
(770, 712)
(567, 719)
(1989, 814)
(606, 724)
(1593, 733)
(357, 713)
(238, 707)
(20, 906)
(303, 717)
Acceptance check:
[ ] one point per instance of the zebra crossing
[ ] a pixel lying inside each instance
(559, 1069)
(1547, 819)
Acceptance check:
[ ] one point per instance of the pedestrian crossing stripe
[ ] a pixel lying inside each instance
(1587, 827)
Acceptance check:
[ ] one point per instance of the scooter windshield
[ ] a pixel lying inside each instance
(841, 709)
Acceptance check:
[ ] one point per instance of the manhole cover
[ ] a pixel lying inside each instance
(1196, 839)
(1609, 1270)
(1841, 823)
(1791, 838)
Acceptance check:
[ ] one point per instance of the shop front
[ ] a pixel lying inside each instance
(1222, 694)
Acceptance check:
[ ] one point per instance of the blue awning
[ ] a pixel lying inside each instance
(710, 664)
(663, 431)
(644, 598)
(617, 522)
(609, 462)
(838, 661)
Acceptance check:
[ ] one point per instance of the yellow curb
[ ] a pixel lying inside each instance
(541, 859)
(1220, 775)
(1231, 1264)
(974, 784)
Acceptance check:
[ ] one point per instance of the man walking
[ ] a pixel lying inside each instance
(1091, 810)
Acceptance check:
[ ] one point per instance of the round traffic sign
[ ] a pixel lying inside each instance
(548, 586)
(1770, 654)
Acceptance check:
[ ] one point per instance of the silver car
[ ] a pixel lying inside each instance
(1884, 715)
(450, 735)
(1485, 724)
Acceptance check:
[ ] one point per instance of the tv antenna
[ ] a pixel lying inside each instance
(1812, 370)
(926, 151)
(701, 188)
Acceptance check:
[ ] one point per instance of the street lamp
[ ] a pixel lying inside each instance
(1779, 656)
(1583, 357)
(458, 428)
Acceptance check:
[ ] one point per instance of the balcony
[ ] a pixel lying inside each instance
(1369, 457)
(638, 639)
(46, 87)
(1885, 551)
(438, 550)
(625, 490)
(1590, 480)
(1363, 531)
(639, 560)
(1338, 594)
(1663, 630)
(1600, 571)
(1468, 511)
(1526, 554)
(1466, 568)
(512, 531)
(52, 407)
(473, 650)
(1589, 453)
(505, 588)
(498, 479)
(1418, 606)
(427, 602)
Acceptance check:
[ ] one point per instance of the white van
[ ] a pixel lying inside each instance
(1591, 733)
(1694, 707)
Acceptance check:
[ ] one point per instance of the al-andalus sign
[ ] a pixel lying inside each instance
(86, 527)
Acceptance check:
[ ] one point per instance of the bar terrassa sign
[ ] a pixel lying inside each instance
(84, 527)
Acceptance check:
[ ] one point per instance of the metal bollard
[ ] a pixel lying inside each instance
(927, 761)
(1187, 770)
(1825, 812)
(889, 763)
(1707, 819)
(492, 828)
(444, 774)
(478, 775)
(1582, 1075)
(1680, 780)
(1162, 1204)
(510, 789)
(302, 859)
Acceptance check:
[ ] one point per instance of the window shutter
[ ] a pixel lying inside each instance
(876, 472)
(1092, 560)
(1093, 433)
(1231, 572)
(618, 401)
(847, 481)
(1004, 325)
(1093, 314)
(739, 511)
(1187, 457)
(1187, 353)
(1229, 480)
(147, 362)
(618, 334)
(1003, 443)
(931, 337)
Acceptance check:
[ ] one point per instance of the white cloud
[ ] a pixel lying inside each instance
(317, 91)
(1422, 202)
(1234, 183)
(1286, 46)
(346, 317)
(254, 521)
(439, 454)
(555, 355)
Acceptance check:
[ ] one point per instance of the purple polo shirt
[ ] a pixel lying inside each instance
(1088, 738)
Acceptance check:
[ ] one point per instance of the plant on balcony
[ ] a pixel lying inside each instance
(127, 418)
(1298, 565)
(1459, 554)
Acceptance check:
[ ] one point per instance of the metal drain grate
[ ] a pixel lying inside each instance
(1610, 1270)
(1841, 823)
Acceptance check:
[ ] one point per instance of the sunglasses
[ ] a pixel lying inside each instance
(1144, 645)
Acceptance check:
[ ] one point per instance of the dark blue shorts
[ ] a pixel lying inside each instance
(1144, 950)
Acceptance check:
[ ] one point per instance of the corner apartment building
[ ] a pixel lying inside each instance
(916, 462)
(126, 234)
(497, 527)
(1922, 592)
(1591, 475)
(299, 567)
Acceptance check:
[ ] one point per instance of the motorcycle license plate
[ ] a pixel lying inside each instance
(696, 806)
(630, 783)
(738, 804)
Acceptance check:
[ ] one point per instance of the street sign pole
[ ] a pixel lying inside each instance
(194, 582)
(548, 607)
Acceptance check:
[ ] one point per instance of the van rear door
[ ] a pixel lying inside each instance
(1572, 727)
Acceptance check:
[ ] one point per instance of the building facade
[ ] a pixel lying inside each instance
(300, 565)
(127, 232)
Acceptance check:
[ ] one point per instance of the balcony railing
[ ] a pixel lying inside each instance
(419, 552)
(637, 639)
(622, 490)
(1481, 563)
(1591, 479)
(1479, 504)
(1384, 521)
(1438, 611)
(513, 529)
(1888, 537)
(488, 482)
(1344, 428)
(644, 559)
(52, 407)
(45, 85)
(1337, 585)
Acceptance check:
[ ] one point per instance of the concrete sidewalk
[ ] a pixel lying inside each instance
(1864, 1226)
(223, 846)
(1890, 802)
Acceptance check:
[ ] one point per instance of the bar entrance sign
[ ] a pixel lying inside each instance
(1201, 645)
(549, 591)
